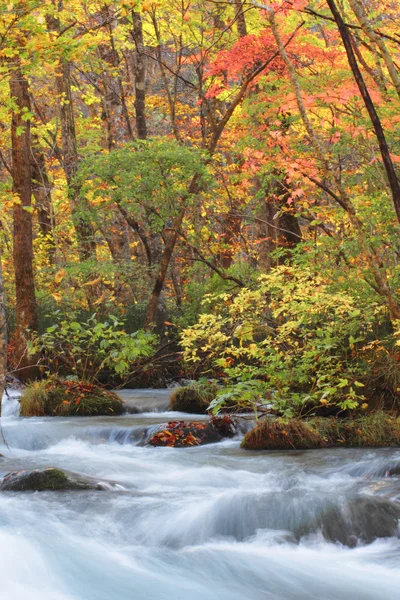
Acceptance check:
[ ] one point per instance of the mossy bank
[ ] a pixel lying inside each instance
(60, 397)
(377, 430)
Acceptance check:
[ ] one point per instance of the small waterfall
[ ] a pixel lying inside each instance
(10, 403)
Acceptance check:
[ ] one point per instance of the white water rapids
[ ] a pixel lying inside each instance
(207, 523)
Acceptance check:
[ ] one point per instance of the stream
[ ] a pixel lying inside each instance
(204, 523)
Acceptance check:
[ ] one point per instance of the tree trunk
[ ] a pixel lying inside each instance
(232, 225)
(41, 190)
(115, 231)
(79, 208)
(277, 225)
(114, 101)
(3, 337)
(366, 26)
(26, 310)
(170, 243)
(233, 221)
(163, 268)
(140, 77)
(240, 18)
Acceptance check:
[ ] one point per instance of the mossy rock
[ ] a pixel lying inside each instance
(59, 397)
(272, 434)
(377, 430)
(45, 480)
(179, 434)
(194, 398)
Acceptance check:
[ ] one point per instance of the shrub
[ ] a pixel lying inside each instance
(382, 378)
(57, 397)
(91, 349)
(296, 340)
(194, 398)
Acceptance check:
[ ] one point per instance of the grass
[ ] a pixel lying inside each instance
(377, 430)
(33, 400)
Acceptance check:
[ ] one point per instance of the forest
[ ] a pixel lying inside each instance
(203, 190)
(200, 299)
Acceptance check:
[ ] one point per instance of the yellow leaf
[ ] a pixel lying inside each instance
(60, 275)
(93, 282)
(99, 300)
(57, 297)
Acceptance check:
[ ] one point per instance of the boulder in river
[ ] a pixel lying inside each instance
(194, 398)
(60, 397)
(180, 434)
(47, 480)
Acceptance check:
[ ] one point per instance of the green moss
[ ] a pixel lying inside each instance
(58, 397)
(38, 481)
(194, 398)
(50, 479)
(377, 430)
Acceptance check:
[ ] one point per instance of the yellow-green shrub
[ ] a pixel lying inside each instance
(291, 338)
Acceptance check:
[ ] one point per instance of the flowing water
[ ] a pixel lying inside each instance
(207, 523)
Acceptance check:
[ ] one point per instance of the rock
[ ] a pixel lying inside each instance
(180, 434)
(194, 398)
(358, 518)
(272, 434)
(47, 480)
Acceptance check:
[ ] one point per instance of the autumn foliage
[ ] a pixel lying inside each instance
(156, 155)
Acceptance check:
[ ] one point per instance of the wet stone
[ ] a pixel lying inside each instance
(46, 480)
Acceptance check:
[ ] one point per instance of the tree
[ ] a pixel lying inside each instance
(140, 76)
(70, 158)
(3, 335)
(25, 303)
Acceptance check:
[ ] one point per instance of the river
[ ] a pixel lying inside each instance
(204, 523)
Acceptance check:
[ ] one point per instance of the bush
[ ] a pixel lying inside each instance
(382, 378)
(291, 342)
(57, 397)
(194, 398)
(377, 430)
(93, 350)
